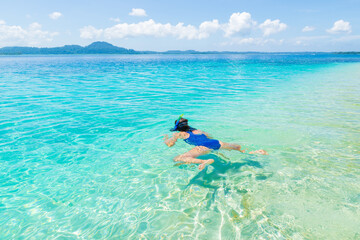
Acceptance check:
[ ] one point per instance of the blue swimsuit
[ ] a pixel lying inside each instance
(202, 140)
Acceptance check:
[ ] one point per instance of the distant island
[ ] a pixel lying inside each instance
(94, 48)
(106, 48)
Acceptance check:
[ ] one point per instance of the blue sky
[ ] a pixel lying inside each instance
(258, 25)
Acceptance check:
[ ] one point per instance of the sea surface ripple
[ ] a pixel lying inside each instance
(82, 157)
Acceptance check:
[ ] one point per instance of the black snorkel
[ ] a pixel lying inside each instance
(177, 122)
(182, 126)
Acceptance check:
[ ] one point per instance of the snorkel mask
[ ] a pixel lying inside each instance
(176, 123)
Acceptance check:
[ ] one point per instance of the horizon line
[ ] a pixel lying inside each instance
(165, 51)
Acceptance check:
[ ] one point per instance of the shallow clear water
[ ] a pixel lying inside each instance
(81, 152)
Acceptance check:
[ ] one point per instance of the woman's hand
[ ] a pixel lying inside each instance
(166, 137)
(170, 141)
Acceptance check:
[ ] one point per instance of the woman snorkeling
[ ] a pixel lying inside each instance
(202, 141)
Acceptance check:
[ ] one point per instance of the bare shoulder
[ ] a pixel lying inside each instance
(182, 135)
(202, 132)
(197, 131)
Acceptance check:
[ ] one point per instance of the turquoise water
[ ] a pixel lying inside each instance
(82, 157)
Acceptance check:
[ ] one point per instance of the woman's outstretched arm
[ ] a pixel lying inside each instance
(171, 141)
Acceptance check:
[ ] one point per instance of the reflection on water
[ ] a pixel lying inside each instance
(218, 172)
(80, 156)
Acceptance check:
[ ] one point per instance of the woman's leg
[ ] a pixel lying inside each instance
(191, 156)
(231, 146)
(261, 151)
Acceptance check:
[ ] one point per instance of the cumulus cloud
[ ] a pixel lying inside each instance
(242, 41)
(55, 15)
(208, 27)
(138, 12)
(16, 35)
(90, 32)
(115, 19)
(340, 26)
(270, 27)
(152, 28)
(240, 23)
(308, 29)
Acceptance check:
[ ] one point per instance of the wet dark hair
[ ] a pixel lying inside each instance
(183, 125)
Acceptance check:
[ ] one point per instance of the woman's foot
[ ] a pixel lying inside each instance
(202, 166)
(261, 151)
(239, 149)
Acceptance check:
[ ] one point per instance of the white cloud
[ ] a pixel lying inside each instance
(320, 41)
(253, 41)
(35, 26)
(138, 12)
(347, 38)
(340, 26)
(247, 41)
(270, 27)
(2, 22)
(308, 29)
(16, 35)
(152, 28)
(90, 32)
(115, 19)
(207, 27)
(243, 24)
(310, 40)
(239, 23)
(55, 15)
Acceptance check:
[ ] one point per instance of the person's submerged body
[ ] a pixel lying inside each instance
(199, 138)
(202, 142)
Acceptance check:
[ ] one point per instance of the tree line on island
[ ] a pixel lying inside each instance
(105, 48)
(93, 48)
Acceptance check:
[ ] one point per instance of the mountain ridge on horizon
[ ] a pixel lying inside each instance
(101, 47)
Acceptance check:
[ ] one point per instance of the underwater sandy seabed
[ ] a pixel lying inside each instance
(82, 157)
